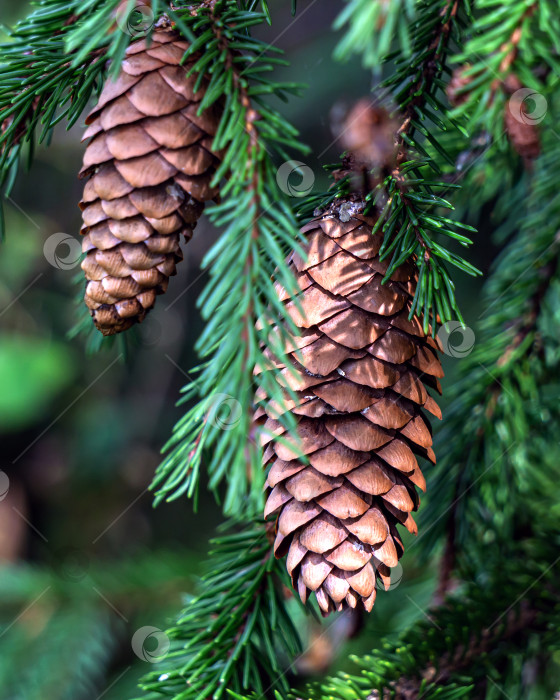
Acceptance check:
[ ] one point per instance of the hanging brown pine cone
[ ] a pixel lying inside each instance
(359, 370)
(149, 166)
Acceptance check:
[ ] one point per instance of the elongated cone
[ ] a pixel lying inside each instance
(149, 168)
(360, 371)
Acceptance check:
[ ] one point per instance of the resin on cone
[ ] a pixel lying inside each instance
(360, 372)
(149, 168)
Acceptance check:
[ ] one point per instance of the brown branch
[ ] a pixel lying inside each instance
(447, 564)
(516, 621)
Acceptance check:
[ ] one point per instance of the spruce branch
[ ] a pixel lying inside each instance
(458, 648)
(233, 635)
(259, 229)
(504, 54)
(39, 85)
(484, 628)
(408, 197)
(501, 89)
(372, 28)
(65, 50)
(486, 446)
(410, 215)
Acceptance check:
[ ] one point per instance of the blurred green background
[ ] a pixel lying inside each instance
(86, 561)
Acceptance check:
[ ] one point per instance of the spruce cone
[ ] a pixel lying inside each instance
(149, 166)
(360, 369)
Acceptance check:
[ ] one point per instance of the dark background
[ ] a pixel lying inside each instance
(84, 552)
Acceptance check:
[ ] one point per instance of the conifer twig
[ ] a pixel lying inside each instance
(499, 50)
(229, 637)
(523, 327)
(499, 383)
(259, 230)
(484, 627)
(407, 198)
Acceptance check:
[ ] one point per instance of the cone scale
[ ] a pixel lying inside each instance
(360, 371)
(149, 168)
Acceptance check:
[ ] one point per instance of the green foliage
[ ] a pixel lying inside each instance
(454, 653)
(71, 659)
(230, 636)
(371, 29)
(410, 197)
(32, 372)
(493, 492)
(258, 230)
(517, 38)
(487, 447)
(59, 617)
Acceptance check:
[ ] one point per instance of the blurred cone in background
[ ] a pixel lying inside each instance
(367, 131)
